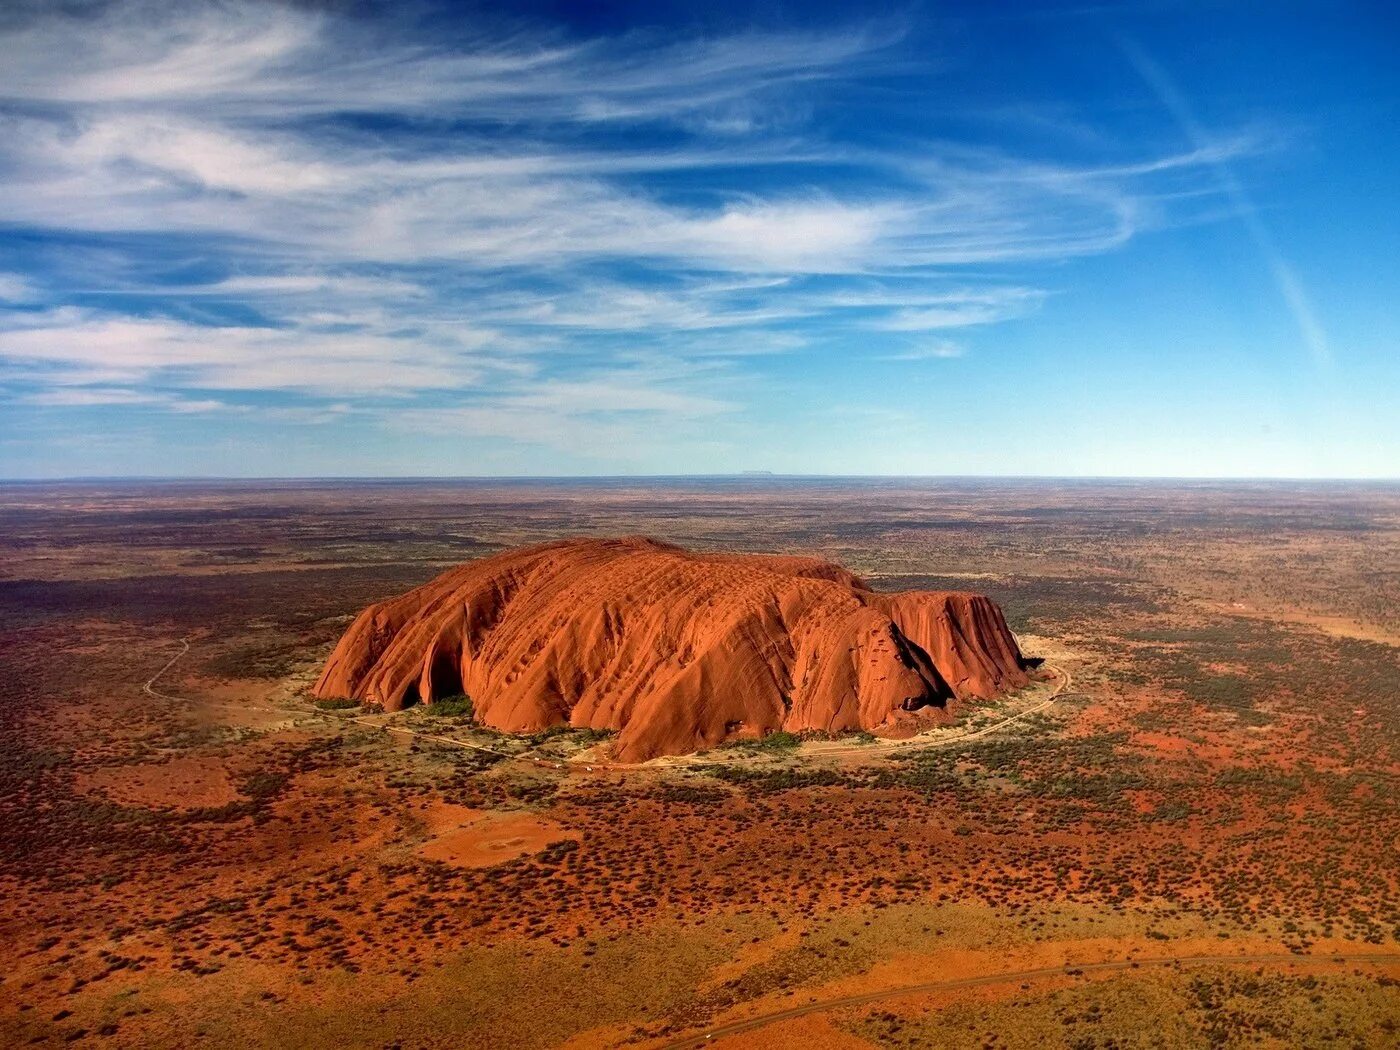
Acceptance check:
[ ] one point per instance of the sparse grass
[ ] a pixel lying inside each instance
(783, 779)
(1212, 1006)
(569, 736)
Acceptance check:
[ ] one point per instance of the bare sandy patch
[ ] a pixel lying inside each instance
(1164, 743)
(178, 783)
(1336, 626)
(475, 838)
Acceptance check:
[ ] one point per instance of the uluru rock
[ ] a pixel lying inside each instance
(676, 651)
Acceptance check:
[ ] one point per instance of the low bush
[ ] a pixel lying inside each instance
(451, 707)
(780, 740)
(337, 703)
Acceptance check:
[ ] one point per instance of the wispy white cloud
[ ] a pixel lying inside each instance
(320, 285)
(962, 309)
(507, 228)
(16, 288)
(88, 397)
(276, 60)
(941, 350)
(70, 346)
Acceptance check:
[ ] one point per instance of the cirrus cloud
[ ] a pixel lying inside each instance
(324, 205)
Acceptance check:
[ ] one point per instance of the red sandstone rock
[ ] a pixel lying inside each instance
(676, 651)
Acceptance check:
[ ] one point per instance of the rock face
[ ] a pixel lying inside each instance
(676, 651)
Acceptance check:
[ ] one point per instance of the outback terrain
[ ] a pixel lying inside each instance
(1184, 830)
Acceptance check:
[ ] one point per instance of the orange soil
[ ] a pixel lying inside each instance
(179, 783)
(474, 838)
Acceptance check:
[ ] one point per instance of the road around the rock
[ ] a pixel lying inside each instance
(1062, 685)
(1064, 681)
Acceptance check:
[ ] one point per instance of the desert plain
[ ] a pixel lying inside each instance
(1184, 831)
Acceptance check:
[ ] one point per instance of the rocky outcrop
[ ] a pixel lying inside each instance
(675, 651)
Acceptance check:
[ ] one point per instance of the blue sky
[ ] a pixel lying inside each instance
(257, 239)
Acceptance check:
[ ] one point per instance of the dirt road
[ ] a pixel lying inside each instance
(150, 686)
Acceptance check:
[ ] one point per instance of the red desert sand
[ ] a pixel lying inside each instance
(675, 651)
(475, 838)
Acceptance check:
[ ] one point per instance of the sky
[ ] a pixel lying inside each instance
(347, 238)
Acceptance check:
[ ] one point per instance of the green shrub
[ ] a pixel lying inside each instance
(337, 703)
(779, 740)
(264, 785)
(451, 707)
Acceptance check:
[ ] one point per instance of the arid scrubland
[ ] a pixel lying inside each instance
(212, 857)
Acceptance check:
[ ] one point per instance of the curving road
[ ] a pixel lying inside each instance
(150, 686)
(1065, 680)
(1068, 969)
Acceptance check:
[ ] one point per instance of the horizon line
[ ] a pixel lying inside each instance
(753, 476)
